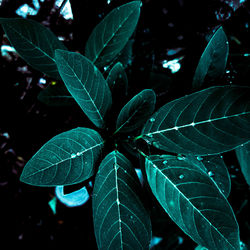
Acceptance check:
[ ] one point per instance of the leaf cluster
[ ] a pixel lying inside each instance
(190, 179)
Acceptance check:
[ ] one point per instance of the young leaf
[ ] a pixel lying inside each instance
(213, 60)
(207, 122)
(34, 43)
(86, 84)
(117, 74)
(216, 168)
(111, 35)
(193, 202)
(67, 158)
(243, 156)
(56, 95)
(120, 220)
(136, 111)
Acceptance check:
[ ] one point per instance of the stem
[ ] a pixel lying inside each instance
(137, 137)
(140, 152)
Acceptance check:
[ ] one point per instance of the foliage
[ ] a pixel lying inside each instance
(186, 174)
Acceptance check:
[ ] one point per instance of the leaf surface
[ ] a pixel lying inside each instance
(111, 35)
(56, 95)
(136, 111)
(213, 60)
(67, 158)
(86, 84)
(120, 220)
(34, 43)
(193, 202)
(207, 122)
(243, 156)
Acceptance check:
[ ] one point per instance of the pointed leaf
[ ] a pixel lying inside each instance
(67, 158)
(120, 220)
(117, 76)
(34, 43)
(111, 35)
(193, 202)
(136, 111)
(211, 121)
(86, 84)
(213, 60)
(56, 95)
(243, 155)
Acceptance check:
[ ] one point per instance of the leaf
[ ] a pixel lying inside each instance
(120, 220)
(193, 202)
(34, 43)
(67, 158)
(243, 156)
(56, 95)
(86, 84)
(136, 111)
(216, 168)
(213, 61)
(117, 76)
(207, 122)
(111, 35)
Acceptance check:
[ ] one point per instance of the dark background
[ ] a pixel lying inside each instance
(26, 124)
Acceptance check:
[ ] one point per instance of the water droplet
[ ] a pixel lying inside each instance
(199, 158)
(242, 246)
(78, 153)
(181, 176)
(210, 173)
(152, 119)
(165, 162)
(180, 157)
(108, 1)
(73, 155)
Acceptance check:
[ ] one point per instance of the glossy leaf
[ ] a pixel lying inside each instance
(34, 43)
(120, 220)
(136, 111)
(67, 158)
(243, 156)
(213, 61)
(193, 202)
(56, 95)
(111, 35)
(117, 76)
(216, 168)
(86, 84)
(208, 122)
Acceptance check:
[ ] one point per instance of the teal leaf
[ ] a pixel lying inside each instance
(207, 122)
(34, 43)
(243, 156)
(136, 111)
(193, 202)
(120, 220)
(111, 35)
(56, 95)
(213, 61)
(216, 168)
(117, 76)
(67, 158)
(86, 84)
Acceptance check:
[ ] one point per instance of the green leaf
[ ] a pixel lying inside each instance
(111, 35)
(193, 202)
(67, 158)
(34, 43)
(136, 111)
(207, 122)
(117, 76)
(213, 61)
(86, 84)
(56, 95)
(120, 220)
(216, 168)
(243, 156)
